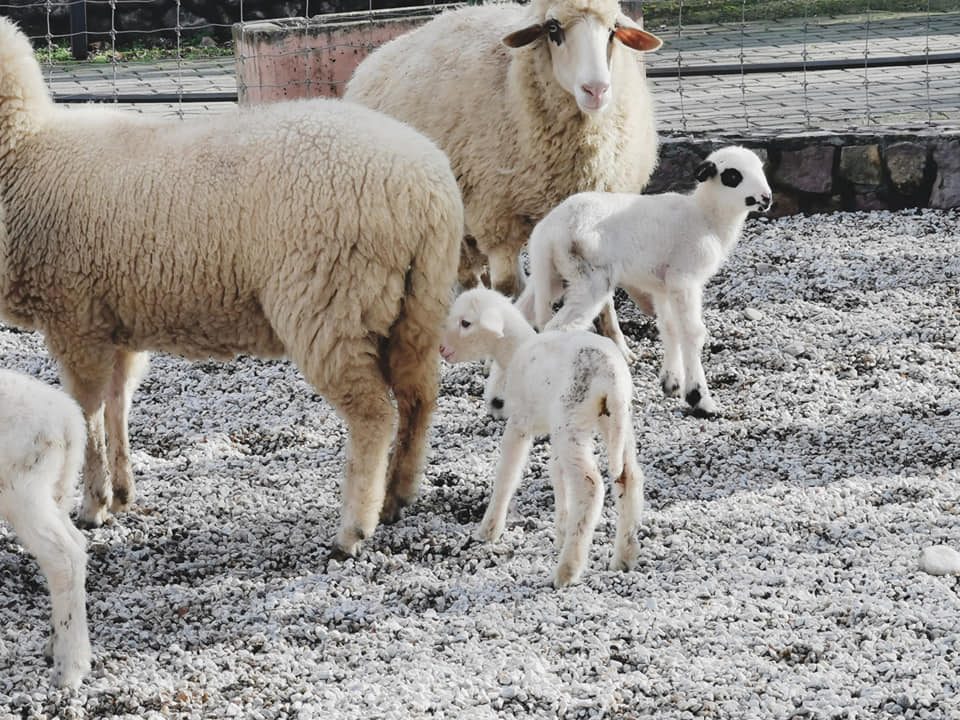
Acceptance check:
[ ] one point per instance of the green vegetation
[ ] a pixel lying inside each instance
(695, 12)
(136, 52)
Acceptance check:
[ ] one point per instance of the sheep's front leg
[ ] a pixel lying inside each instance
(494, 390)
(86, 375)
(610, 327)
(687, 303)
(584, 488)
(513, 456)
(671, 372)
(128, 371)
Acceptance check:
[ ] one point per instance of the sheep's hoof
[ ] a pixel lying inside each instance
(122, 500)
(339, 554)
(392, 509)
(487, 531)
(89, 521)
(625, 559)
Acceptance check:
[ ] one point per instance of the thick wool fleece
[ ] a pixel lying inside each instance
(517, 141)
(319, 230)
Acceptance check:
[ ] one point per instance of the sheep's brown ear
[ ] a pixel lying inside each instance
(705, 170)
(637, 39)
(524, 37)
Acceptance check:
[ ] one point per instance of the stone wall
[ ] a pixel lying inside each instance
(821, 172)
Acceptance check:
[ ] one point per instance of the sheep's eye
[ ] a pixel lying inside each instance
(731, 177)
(465, 324)
(554, 31)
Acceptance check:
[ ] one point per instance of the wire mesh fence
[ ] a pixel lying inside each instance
(746, 67)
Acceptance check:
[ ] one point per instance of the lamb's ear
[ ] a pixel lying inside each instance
(492, 321)
(705, 170)
(635, 37)
(524, 37)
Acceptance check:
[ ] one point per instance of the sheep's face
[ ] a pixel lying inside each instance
(581, 48)
(735, 174)
(474, 326)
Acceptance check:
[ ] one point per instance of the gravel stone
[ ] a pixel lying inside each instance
(777, 575)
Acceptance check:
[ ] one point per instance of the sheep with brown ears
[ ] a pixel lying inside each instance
(531, 103)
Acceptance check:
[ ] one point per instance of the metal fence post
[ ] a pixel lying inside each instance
(78, 29)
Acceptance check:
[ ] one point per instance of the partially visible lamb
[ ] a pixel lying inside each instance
(666, 246)
(568, 385)
(531, 104)
(317, 230)
(41, 453)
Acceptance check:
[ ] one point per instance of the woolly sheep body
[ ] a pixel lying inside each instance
(568, 385)
(41, 453)
(517, 141)
(317, 230)
(665, 246)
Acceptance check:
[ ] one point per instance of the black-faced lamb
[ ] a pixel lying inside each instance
(568, 385)
(666, 246)
(41, 453)
(318, 230)
(531, 102)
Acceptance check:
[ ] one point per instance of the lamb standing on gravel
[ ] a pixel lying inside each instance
(666, 246)
(568, 385)
(531, 103)
(41, 452)
(318, 230)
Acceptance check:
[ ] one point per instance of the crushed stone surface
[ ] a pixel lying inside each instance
(778, 574)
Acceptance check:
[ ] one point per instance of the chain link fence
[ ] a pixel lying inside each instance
(745, 67)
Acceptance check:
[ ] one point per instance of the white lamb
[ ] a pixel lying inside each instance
(41, 452)
(318, 230)
(664, 246)
(531, 102)
(568, 385)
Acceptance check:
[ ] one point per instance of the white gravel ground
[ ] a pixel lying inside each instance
(779, 574)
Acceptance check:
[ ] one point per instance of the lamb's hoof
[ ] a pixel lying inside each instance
(487, 531)
(701, 414)
(701, 407)
(625, 559)
(629, 355)
(670, 386)
(565, 575)
(496, 409)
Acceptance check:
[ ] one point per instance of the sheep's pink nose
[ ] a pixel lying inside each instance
(596, 90)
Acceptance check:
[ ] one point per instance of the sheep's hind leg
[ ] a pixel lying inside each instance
(671, 372)
(128, 370)
(513, 456)
(628, 489)
(86, 375)
(584, 504)
(559, 499)
(610, 327)
(47, 533)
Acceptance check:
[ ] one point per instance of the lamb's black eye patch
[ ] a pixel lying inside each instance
(731, 177)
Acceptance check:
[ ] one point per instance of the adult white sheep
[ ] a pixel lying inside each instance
(567, 385)
(41, 452)
(532, 104)
(318, 230)
(665, 246)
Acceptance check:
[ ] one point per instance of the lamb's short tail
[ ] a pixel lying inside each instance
(620, 431)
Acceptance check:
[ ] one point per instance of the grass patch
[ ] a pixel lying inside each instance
(135, 52)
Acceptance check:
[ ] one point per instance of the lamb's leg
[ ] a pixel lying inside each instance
(559, 499)
(513, 456)
(47, 533)
(688, 306)
(584, 504)
(628, 489)
(493, 391)
(671, 373)
(128, 371)
(583, 300)
(86, 374)
(610, 327)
